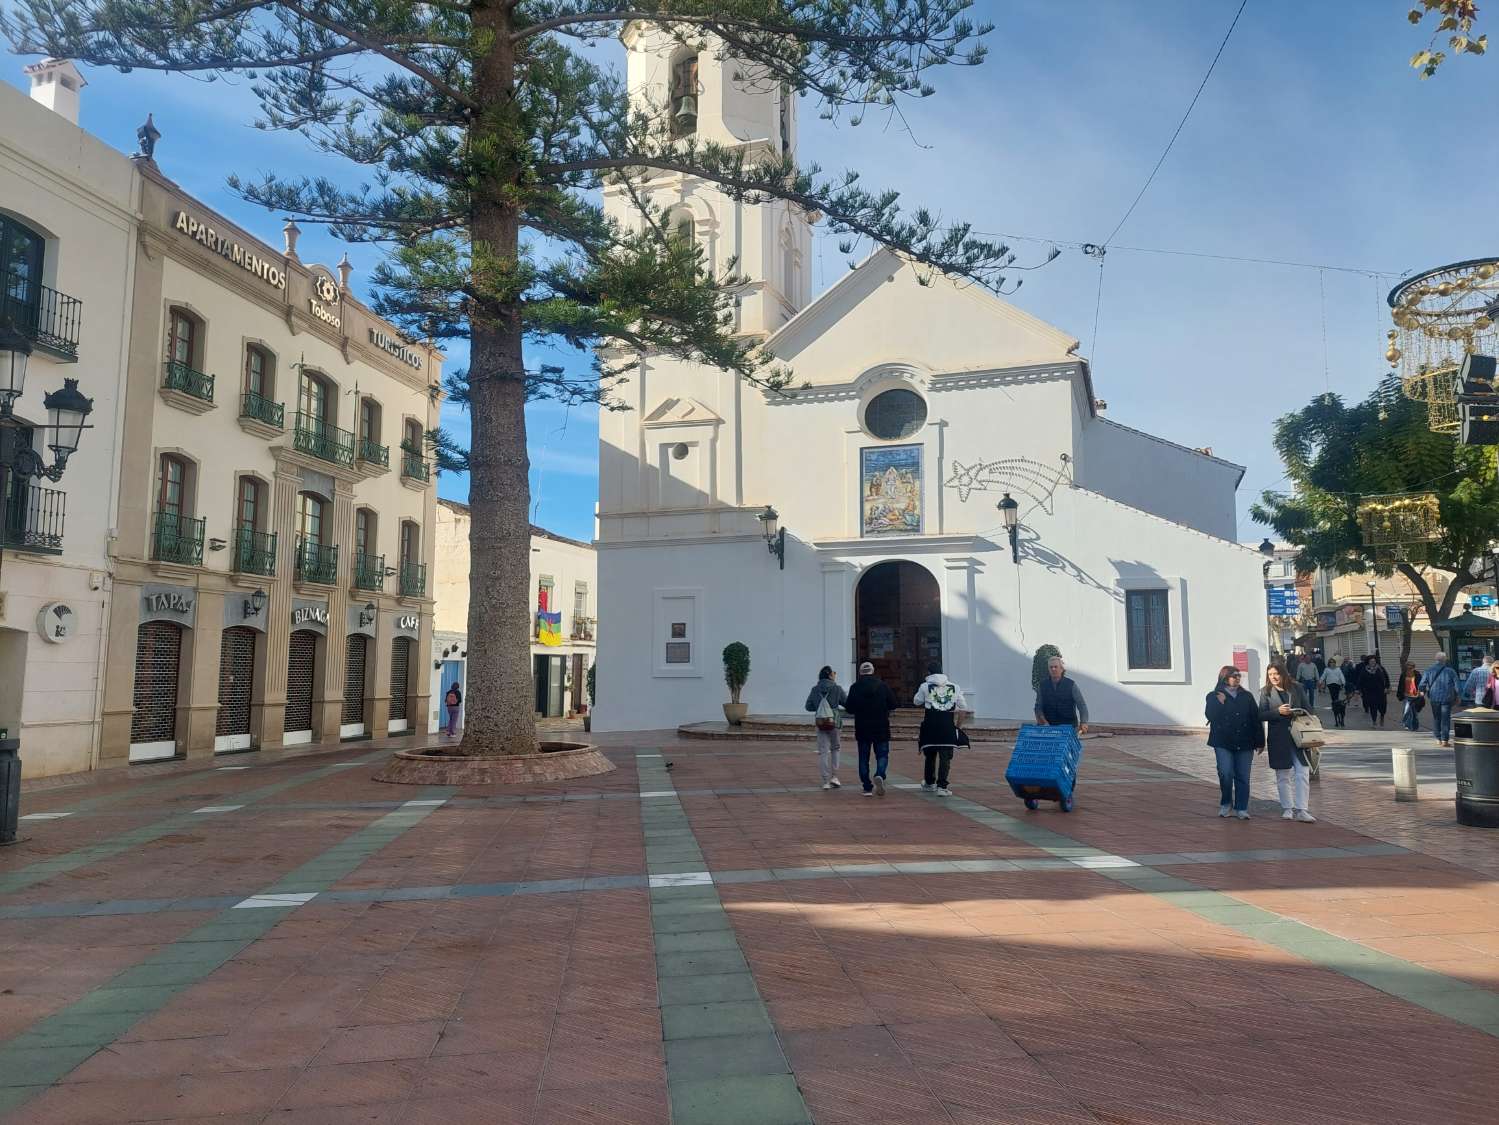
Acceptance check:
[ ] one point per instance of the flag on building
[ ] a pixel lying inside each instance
(549, 627)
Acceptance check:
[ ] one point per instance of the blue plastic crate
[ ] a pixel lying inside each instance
(1043, 765)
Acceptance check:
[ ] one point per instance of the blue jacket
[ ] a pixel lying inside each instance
(1440, 683)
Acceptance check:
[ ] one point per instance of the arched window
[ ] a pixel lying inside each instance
(184, 339)
(410, 542)
(251, 513)
(364, 531)
(171, 485)
(20, 263)
(412, 439)
(895, 414)
(314, 401)
(310, 512)
(369, 419)
(257, 371)
(684, 94)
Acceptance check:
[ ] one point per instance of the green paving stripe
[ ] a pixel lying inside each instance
(1436, 992)
(724, 1062)
(53, 1046)
(42, 870)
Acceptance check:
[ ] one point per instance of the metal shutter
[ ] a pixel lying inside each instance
(354, 658)
(301, 669)
(158, 655)
(236, 678)
(400, 666)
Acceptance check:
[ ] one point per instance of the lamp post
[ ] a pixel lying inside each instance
(1267, 549)
(775, 536)
(67, 418)
(1009, 510)
(1374, 621)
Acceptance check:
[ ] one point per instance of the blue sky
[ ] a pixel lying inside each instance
(1313, 142)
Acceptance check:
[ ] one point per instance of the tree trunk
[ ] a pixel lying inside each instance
(500, 713)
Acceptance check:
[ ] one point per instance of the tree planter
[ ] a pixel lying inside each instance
(735, 712)
(558, 761)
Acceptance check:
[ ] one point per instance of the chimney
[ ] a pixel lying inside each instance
(55, 83)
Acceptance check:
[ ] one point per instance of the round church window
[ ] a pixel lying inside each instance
(896, 414)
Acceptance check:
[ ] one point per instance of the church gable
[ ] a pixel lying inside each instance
(681, 412)
(881, 312)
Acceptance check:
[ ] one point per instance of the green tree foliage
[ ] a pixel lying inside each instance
(736, 668)
(1039, 662)
(478, 135)
(1336, 454)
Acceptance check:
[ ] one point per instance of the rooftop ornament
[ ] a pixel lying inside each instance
(1441, 316)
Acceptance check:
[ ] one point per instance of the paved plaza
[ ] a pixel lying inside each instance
(705, 937)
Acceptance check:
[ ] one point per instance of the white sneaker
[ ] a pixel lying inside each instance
(925, 788)
(827, 784)
(879, 785)
(1225, 810)
(1305, 817)
(942, 791)
(1288, 814)
(835, 783)
(1244, 815)
(869, 792)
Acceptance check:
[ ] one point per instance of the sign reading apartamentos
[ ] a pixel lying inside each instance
(264, 268)
(387, 343)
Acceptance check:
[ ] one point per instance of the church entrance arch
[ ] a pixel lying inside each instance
(898, 615)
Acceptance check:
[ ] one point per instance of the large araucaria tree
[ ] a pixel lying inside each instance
(1335, 455)
(479, 134)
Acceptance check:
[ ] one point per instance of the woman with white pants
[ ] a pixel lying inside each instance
(1279, 699)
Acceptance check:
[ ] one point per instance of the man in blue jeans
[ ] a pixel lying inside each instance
(1441, 689)
(870, 702)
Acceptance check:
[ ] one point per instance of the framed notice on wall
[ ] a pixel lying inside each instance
(890, 490)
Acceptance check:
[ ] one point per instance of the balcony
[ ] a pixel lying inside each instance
(373, 455)
(177, 539)
(413, 579)
(34, 519)
(583, 628)
(254, 552)
(261, 414)
(414, 468)
(316, 563)
(369, 572)
(51, 320)
(189, 389)
(328, 443)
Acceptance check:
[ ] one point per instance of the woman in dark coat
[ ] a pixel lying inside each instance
(1235, 733)
(1374, 686)
(1279, 701)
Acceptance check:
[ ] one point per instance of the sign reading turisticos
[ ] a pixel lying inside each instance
(267, 269)
(388, 343)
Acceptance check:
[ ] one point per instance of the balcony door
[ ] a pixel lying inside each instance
(182, 339)
(313, 400)
(171, 487)
(20, 269)
(310, 518)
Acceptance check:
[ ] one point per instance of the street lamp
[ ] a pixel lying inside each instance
(253, 604)
(1374, 621)
(1267, 549)
(1009, 510)
(775, 536)
(15, 350)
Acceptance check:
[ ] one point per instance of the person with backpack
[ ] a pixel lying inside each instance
(453, 700)
(870, 702)
(1441, 688)
(825, 701)
(941, 700)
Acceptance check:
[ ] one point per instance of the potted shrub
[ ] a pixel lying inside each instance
(588, 683)
(736, 669)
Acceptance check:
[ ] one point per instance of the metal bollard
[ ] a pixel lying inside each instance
(1403, 765)
(10, 789)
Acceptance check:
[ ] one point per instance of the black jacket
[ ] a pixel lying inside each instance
(1280, 747)
(870, 702)
(1235, 723)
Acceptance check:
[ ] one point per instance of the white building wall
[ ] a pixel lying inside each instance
(1160, 477)
(83, 197)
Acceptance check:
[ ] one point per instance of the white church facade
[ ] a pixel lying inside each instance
(925, 404)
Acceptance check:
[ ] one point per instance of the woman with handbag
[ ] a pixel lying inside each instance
(1236, 735)
(1409, 692)
(1279, 701)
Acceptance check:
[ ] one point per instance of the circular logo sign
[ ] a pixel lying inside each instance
(325, 288)
(56, 622)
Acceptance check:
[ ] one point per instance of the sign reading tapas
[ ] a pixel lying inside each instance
(388, 343)
(267, 269)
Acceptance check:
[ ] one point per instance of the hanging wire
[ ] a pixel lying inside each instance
(1322, 300)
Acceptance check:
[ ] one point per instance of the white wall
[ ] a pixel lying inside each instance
(1159, 476)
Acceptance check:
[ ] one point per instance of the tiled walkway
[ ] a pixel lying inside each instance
(705, 937)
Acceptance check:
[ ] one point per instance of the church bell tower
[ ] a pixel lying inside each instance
(693, 91)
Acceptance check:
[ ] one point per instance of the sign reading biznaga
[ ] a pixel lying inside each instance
(267, 269)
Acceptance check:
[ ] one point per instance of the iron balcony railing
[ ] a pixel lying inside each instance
(34, 518)
(181, 377)
(414, 466)
(413, 579)
(316, 562)
(177, 539)
(262, 409)
(369, 571)
(313, 435)
(372, 452)
(51, 320)
(254, 551)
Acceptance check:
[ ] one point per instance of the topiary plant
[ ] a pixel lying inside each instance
(1038, 664)
(589, 681)
(736, 668)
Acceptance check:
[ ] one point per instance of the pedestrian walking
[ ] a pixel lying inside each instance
(1307, 673)
(1236, 734)
(1059, 701)
(941, 701)
(1352, 671)
(1374, 686)
(1441, 688)
(1408, 691)
(1321, 663)
(825, 701)
(870, 702)
(453, 700)
(1334, 681)
(1279, 702)
(1478, 680)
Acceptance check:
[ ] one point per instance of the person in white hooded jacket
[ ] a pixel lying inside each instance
(941, 700)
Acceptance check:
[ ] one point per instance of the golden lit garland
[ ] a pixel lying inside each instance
(1399, 526)
(1440, 316)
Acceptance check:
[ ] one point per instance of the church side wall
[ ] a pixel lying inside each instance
(1156, 476)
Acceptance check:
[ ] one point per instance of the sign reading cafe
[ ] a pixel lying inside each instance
(267, 269)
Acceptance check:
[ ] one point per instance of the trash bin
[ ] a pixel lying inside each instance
(1475, 753)
(10, 788)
